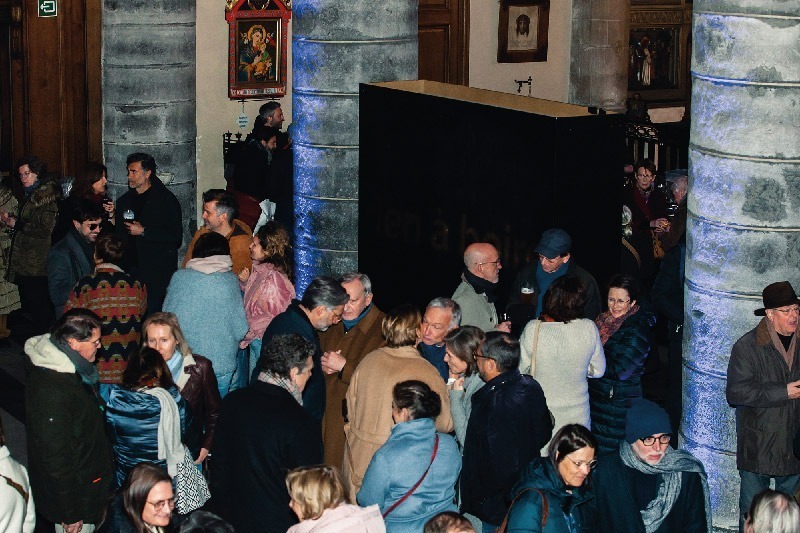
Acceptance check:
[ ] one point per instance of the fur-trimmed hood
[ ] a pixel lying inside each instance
(44, 354)
(48, 192)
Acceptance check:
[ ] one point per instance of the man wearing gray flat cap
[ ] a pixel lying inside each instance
(764, 387)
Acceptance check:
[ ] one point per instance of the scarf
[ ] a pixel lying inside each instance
(543, 281)
(27, 191)
(350, 324)
(607, 325)
(170, 447)
(175, 365)
(670, 468)
(480, 285)
(284, 383)
(211, 264)
(788, 355)
(85, 369)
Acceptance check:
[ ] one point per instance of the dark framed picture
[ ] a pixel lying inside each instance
(522, 31)
(653, 59)
(257, 49)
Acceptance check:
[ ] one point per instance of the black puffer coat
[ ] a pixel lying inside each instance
(610, 396)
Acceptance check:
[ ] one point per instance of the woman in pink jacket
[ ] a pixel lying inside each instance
(268, 289)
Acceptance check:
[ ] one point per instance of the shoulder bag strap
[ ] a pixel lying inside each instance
(535, 345)
(633, 251)
(17, 487)
(545, 509)
(418, 483)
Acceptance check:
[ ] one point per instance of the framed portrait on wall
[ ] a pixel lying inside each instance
(257, 48)
(522, 31)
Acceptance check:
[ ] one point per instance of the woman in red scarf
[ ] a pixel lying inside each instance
(625, 330)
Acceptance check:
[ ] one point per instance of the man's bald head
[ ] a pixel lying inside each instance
(483, 260)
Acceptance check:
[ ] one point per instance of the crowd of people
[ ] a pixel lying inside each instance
(212, 398)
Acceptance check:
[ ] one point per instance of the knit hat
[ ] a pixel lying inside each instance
(645, 419)
(553, 243)
(777, 295)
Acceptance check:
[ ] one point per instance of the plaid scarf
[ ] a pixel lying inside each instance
(284, 383)
(608, 325)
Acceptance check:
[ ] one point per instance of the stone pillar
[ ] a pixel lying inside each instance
(149, 93)
(338, 44)
(744, 208)
(598, 72)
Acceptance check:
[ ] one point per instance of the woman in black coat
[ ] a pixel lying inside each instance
(625, 330)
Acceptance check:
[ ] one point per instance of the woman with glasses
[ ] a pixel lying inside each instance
(556, 486)
(561, 350)
(143, 504)
(31, 229)
(626, 333)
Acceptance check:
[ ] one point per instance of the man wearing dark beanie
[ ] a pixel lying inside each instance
(647, 486)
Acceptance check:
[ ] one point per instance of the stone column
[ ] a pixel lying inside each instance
(149, 93)
(744, 208)
(338, 44)
(598, 72)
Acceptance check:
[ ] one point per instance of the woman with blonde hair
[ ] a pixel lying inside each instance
(320, 499)
(193, 374)
(369, 403)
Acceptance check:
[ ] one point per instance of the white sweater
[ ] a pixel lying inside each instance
(567, 354)
(15, 514)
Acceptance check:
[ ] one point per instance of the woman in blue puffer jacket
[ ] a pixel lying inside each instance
(132, 415)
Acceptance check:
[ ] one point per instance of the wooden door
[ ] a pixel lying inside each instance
(444, 41)
(50, 84)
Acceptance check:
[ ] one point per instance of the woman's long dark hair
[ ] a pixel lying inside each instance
(86, 178)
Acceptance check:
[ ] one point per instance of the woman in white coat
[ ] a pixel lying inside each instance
(561, 350)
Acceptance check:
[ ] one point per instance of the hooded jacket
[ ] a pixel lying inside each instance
(564, 509)
(69, 457)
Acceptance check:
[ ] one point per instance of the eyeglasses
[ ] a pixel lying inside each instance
(793, 309)
(92, 226)
(645, 176)
(663, 439)
(26, 173)
(580, 464)
(95, 342)
(614, 301)
(495, 263)
(159, 505)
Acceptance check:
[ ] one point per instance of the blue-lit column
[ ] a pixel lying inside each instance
(337, 44)
(744, 208)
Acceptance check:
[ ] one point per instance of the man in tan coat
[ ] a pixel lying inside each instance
(344, 345)
(369, 397)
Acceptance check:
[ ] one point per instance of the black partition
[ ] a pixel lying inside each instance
(442, 166)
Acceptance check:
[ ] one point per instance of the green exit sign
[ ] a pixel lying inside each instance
(48, 8)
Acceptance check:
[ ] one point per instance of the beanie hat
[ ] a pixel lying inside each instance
(645, 419)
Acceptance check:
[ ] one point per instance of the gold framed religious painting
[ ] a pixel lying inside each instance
(522, 31)
(257, 48)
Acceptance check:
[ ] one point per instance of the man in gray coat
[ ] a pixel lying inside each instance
(764, 387)
(476, 293)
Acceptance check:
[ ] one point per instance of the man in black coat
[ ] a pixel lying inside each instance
(262, 433)
(152, 228)
(647, 482)
(509, 424)
(321, 307)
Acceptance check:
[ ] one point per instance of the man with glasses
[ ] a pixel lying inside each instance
(508, 425)
(764, 387)
(477, 292)
(647, 485)
(442, 315)
(553, 262)
(69, 457)
(72, 258)
(321, 307)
